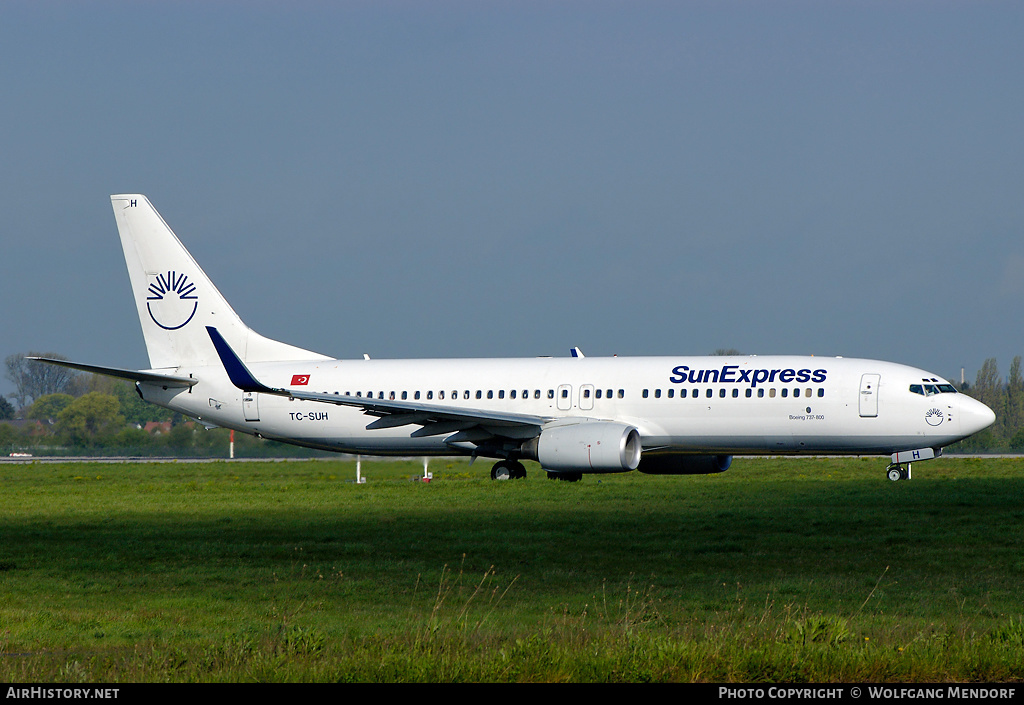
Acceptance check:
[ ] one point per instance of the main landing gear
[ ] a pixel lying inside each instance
(508, 470)
(514, 470)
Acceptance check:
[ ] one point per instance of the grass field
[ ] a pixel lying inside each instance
(777, 570)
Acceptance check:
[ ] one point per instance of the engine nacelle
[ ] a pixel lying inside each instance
(684, 464)
(590, 446)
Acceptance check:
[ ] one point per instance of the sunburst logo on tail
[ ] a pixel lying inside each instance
(172, 300)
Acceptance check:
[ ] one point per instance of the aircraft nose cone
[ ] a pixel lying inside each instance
(974, 416)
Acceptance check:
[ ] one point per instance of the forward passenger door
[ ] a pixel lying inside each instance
(869, 395)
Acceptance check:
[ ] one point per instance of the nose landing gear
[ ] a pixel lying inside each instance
(897, 472)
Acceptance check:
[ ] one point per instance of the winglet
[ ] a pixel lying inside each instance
(238, 373)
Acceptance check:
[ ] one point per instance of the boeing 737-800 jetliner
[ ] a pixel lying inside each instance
(574, 415)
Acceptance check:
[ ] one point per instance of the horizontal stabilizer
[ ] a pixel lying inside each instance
(133, 375)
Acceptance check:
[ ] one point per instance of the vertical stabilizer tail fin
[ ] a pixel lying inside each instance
(176, 300)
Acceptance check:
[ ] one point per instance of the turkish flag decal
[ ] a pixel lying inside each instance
(300, 380)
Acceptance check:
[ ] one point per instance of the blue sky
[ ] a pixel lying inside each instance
(448, 179)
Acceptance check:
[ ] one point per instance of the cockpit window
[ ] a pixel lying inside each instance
(927, 390)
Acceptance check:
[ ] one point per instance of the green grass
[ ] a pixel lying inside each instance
(777, 570)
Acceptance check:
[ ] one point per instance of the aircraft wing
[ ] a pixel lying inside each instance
(469, 425)
(150, 377)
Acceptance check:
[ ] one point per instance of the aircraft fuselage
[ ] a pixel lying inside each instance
(748, 404)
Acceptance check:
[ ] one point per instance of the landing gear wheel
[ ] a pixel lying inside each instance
(895, 473)
(508, 470)
(518, 470)
(502, 470)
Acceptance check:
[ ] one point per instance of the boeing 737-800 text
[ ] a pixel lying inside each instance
(574, 415)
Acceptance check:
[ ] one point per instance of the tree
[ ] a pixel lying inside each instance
(136, 411)
(36, 379)
(8, 436)
(1014, 420)
(6, 410)
(988, 389)
(48, 407)
(90, 418)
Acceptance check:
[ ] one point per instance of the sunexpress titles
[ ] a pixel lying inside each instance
(733, 374)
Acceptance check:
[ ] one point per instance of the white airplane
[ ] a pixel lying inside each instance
(574, 415)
